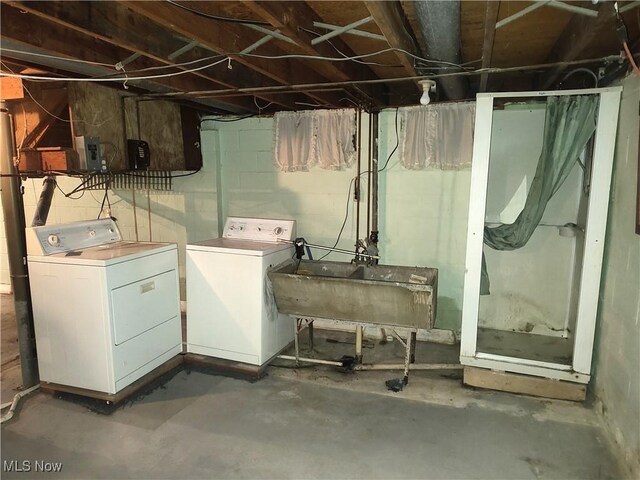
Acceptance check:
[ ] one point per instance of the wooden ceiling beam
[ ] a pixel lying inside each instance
(490, 18)
(32, 31)
(116, 24)
(394, 25)
(295, 19)
(231, 39)
(578, 34)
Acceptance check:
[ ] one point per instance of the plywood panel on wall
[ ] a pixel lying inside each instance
(97, 111)
(160, 127)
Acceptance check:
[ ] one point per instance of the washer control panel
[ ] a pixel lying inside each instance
(259, 229)
(50, 239)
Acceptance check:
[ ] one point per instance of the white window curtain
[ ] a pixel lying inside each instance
(294, 142)
(437, 136)
(323, 137)
(335, 138)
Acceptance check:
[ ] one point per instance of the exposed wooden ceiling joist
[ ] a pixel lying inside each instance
(578, 34)
(116, 24)
(296, 19)
(391, 20)
(54, 39)
(490, 19)
(229, 39)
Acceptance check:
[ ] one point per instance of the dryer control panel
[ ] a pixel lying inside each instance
(259, 229)
(50, 239)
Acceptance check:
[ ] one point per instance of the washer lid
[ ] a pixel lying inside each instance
(238, 247)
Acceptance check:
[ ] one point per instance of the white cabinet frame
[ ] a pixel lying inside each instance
(595, 229)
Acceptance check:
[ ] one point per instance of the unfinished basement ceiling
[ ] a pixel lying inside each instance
(256, 57)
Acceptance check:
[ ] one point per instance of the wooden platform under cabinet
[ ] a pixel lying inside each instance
(525, 384)
(123, 394)
(221, 366)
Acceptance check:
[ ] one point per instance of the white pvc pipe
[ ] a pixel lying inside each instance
(310, 360)
(9, 415)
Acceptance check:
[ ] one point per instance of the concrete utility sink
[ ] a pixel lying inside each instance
(376, 294)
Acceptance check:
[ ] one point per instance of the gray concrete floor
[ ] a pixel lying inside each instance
(314, 423)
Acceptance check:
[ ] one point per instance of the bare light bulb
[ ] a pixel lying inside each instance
(425, 99)
(427, 86)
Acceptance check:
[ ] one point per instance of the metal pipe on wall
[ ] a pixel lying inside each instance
(373, 237)
(14, 225)
(44, 202)
(357, 188)
(369, 168)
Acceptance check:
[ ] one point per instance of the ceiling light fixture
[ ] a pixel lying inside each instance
(427, 86)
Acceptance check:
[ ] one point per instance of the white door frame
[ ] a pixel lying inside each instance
(598, 205)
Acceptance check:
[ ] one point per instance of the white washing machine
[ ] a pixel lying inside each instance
(106, 311)
(231, 312)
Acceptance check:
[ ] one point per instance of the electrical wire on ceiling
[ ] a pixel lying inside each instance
(225, 57)
(125, 78)
(354, 57)
(44, 55)
(113, 65)
(218, 17)
(260, 108)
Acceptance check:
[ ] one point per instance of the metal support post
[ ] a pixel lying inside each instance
(14, 225)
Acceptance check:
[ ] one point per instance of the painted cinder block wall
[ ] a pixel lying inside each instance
(422, 219)
(617, 355)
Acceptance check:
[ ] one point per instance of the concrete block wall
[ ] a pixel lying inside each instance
(422, 218)
(253, 186)
(617, 356)
(423, 221)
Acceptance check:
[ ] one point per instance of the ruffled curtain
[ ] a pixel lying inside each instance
(437, 136)
(322, 137)
(335, 138)
(294, 141)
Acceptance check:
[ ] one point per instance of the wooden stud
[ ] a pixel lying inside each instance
(524, 384)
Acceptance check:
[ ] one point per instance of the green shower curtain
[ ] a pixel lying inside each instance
(569, 124)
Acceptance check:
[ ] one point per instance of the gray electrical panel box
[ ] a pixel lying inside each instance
(88, 149)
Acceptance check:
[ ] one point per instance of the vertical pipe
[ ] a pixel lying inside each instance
(359, 343)
(369, 168)
(14, 225)
(357, 180)
(374, 179)
(44, 202)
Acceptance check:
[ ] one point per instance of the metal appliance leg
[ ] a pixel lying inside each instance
(296, 342)
(414, 336)
(407, 358)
